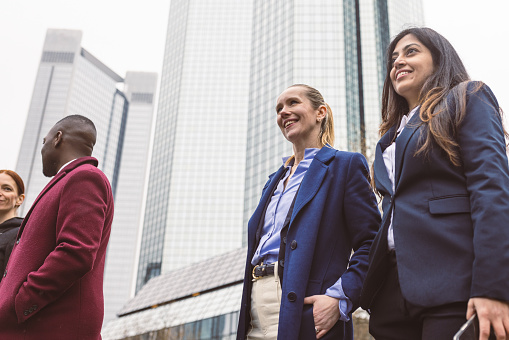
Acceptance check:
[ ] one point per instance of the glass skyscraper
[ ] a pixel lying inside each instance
(70, 80)
(216, 138)
(195, 195)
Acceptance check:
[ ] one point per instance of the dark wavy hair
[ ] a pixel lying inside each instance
(449, 77)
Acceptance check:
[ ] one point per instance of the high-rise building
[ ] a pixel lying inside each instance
(195, 196)
(216, 137)
(136, 128)
(70, 80)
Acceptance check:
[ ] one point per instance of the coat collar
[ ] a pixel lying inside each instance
(68, 168)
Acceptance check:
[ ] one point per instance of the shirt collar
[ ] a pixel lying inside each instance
(66, 164)
(309, 153)
(406, 118)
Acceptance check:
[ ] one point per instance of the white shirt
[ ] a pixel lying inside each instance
(66, 164)
(389, 156)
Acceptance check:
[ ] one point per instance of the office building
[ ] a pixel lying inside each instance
(122, 255)
(70, 80)
(196, 185)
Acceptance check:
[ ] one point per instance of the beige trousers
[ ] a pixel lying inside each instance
(265, 304)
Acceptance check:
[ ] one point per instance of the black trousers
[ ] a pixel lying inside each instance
(394, 318)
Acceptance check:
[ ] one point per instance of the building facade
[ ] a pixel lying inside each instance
(216, 137)
(195, 194)
(131, 182)
(70, 80)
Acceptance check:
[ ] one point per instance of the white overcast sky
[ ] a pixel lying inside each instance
(130, 35)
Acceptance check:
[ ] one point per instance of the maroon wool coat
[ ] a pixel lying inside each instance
(53, 283)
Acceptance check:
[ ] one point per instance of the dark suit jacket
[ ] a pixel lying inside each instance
(335, 210)
(451, 224)
(53, 285)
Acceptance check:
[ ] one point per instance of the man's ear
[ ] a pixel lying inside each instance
(58, 139)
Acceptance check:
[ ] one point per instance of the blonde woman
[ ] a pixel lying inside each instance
(300, 281)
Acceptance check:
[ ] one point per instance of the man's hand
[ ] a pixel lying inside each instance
(325, 312)
(490, 312)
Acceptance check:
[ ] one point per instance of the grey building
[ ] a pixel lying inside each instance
(216, 137)
(70, 80)
(195, 195)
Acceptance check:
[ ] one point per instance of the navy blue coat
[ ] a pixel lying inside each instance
(335, 211)
(451, 224)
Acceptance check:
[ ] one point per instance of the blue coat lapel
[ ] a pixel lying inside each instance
(402, 142)
(313, 178)
(264, 201)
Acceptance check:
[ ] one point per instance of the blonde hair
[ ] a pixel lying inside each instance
(326, 135)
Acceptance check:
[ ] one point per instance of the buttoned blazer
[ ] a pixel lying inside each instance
(450, 223)
(53, 285)
(335, 211)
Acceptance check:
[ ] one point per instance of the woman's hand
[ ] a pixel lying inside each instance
(325, 312)
(490, 312)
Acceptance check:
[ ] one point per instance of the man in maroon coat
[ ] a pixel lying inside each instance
(53, 284)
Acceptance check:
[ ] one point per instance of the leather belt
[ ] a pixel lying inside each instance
(261, 270)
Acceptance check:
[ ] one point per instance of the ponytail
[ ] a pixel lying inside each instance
(327, 129)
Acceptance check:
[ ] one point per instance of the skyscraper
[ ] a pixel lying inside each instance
(216, 138)
(196, 185)
(136, 128)
(70, 80)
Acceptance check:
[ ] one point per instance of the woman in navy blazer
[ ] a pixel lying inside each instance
(309, 271)
(442, 252)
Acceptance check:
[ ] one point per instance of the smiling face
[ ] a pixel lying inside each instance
(412, 65)
(10, 200)
(298, 120)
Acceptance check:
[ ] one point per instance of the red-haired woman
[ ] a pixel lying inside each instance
(12, 194)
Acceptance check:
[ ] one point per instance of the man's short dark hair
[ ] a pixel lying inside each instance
(77, 119)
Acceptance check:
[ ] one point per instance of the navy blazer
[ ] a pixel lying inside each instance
(335, 211)
(451, 223)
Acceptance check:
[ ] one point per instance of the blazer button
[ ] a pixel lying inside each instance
(5, 273)
(292, 297)
(284, 240)
(282, 262)
(293, 245)
(17, 241)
